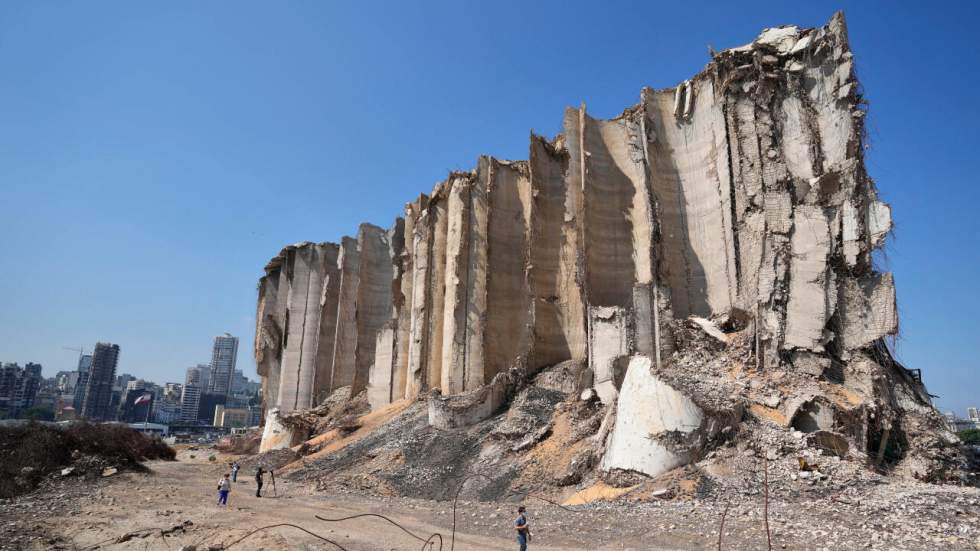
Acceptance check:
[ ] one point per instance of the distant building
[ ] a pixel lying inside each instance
(136, 406)
(167, 412)
(224, 355)
(230, 417)
(190, 394)
(122, 380)
(209, 402)
(65, 381)
(18, 388)
(205, 376)
(98, 390)
(190, 402)
(238, 382)
(84, 363)
(960, 425)
(973, 414)
(171, 392)
(84, 366)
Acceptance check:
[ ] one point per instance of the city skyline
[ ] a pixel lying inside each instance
(96, 391)
(71, 360)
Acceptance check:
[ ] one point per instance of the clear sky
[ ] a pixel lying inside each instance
(153, 156)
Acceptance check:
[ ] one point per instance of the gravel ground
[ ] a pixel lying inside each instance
(879, 514)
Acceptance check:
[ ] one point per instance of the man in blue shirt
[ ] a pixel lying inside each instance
(523, 529)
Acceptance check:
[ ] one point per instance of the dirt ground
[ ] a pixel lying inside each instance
(179, 498)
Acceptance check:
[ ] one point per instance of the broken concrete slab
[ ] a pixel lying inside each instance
(276, 435)
(609, 344)
(657, 427)
(467, 409)
(867, 310)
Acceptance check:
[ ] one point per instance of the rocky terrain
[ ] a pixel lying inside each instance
(177, 498)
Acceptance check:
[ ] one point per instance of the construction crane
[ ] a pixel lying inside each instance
(80, 350)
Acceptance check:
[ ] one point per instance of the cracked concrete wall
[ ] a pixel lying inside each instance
(556, 296)
(296, 308)
(611, 178)
(508, 298)
(345, 340)
(374, 298)
(610, 341)
(457, 286)
(404, 298)
(740, 194)
(689, 174)
(418, 334)
(327, 330)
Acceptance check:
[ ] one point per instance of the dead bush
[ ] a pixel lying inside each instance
(30, 452)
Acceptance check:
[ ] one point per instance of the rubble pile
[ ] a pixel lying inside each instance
(688, 279)
(31, 453)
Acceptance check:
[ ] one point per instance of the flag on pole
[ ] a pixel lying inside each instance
(144, 398)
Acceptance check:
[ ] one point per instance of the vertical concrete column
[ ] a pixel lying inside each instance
(379, 385)
(418, 348)
(476, 281)
(609, 184)
(571, 260)
(373, 305)
(456, 279)
(548, 166)
(327, 330)
(298, 266)
(268, 335)
(345, 342)
(508, 296)
(404, 309)
(689, 175)
(317, 257)
(437, 281)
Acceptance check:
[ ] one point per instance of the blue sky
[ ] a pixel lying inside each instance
(153, 156)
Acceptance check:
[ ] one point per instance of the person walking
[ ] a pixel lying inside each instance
(224, 486)
(523, 529)
(234, 471)
(258, 481)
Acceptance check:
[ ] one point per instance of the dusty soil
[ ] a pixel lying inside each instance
(179, 497)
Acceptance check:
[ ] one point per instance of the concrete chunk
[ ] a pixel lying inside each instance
(657, 428)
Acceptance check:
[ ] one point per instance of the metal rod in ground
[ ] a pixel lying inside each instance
(721, 528)
(766, 511)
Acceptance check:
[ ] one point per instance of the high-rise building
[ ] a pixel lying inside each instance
(190, 401)
(190, 394)
(84, 366)
(973, 414)
(238, 382)
(18, 387)
(98, 390)
(194, 375)
(208, 402)
(223, 358)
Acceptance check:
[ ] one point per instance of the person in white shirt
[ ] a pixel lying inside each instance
(224, 486)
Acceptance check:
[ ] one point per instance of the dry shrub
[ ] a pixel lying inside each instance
(29, 452)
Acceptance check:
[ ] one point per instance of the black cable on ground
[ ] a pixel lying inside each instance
(121, 539)
(382, 517)
(536, 496)
(239, 540)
